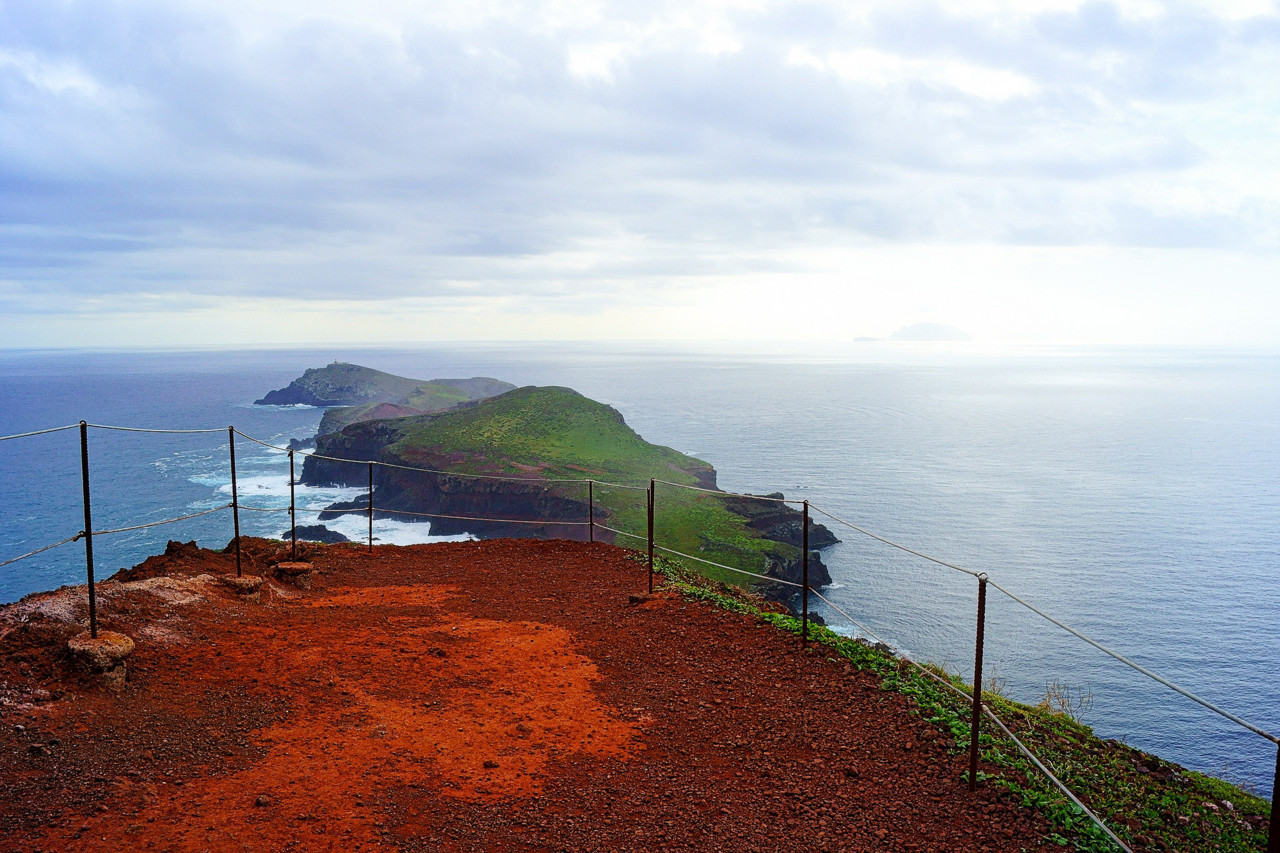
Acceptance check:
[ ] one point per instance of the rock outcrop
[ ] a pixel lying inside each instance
(343, 384)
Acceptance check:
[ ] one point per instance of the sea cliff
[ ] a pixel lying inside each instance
(517, 465)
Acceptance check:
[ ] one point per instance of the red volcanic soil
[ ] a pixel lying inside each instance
(481, 696)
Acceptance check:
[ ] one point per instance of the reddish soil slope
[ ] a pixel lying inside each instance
(491, 696)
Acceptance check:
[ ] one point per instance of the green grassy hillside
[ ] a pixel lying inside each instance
(558, 434)
(551, 432)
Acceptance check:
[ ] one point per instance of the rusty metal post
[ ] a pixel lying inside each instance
(651, 491)
(88, 529)
(977, 684)
(1273, 833)
(235, 495)
(370, 507)
(804, 578)
(293, 513)
(591, 511)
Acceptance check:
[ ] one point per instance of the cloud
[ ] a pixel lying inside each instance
(303, 149)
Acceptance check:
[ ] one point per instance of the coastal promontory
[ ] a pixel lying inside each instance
(517, 464)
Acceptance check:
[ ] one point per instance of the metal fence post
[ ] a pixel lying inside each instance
(235, 499)
(591, 511)
(804, 577)
(651, 491)
(977, 684)
(370, 507)
(1273, 832)
(293, 513)
(88, 529)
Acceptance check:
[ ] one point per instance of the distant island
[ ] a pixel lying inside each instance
(344, 384)
(548, 441)
(353, 393)
(929, 332)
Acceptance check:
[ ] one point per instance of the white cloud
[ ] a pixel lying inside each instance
(563, 155)
(887, 70)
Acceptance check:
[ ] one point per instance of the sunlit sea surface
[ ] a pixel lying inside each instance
(1133, 494)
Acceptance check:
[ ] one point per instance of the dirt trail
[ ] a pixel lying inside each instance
(501, 695)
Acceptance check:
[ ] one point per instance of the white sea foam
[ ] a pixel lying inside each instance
(389, 531)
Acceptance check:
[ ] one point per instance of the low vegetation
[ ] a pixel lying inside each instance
(1148, 803)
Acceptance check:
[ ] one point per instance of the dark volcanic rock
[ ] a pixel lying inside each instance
(780, 522)
(319, 533)
(337, 509)
(792, 571)
(340, 384)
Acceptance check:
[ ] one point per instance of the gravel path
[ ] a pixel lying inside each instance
(484, 696)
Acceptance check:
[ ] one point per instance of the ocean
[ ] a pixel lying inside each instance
(1133, 494)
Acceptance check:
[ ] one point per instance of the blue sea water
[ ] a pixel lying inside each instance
(1133, 494)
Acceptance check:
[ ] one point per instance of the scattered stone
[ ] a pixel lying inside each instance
(263, 801)
(103, 657)
(490, 765)
(319, 533)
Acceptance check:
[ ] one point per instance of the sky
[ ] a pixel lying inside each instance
(254, 172)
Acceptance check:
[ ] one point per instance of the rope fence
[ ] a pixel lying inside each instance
(41, 550)
(1142, 669)
(721, 494)
(619, 532)
(893, 544)
(146, 429)
(730, 568)
(380, 464)
(1097, 645)
(159, 523)
(1041, 766)
(979, 709)
(38, 432)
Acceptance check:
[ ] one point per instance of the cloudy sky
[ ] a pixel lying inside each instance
(247, 171)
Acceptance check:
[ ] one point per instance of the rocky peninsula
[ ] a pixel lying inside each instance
(514, 462)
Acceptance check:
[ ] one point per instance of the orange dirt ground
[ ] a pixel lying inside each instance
(489, 696)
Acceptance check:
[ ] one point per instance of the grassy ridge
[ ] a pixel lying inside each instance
(557, 433)
(554, 432)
